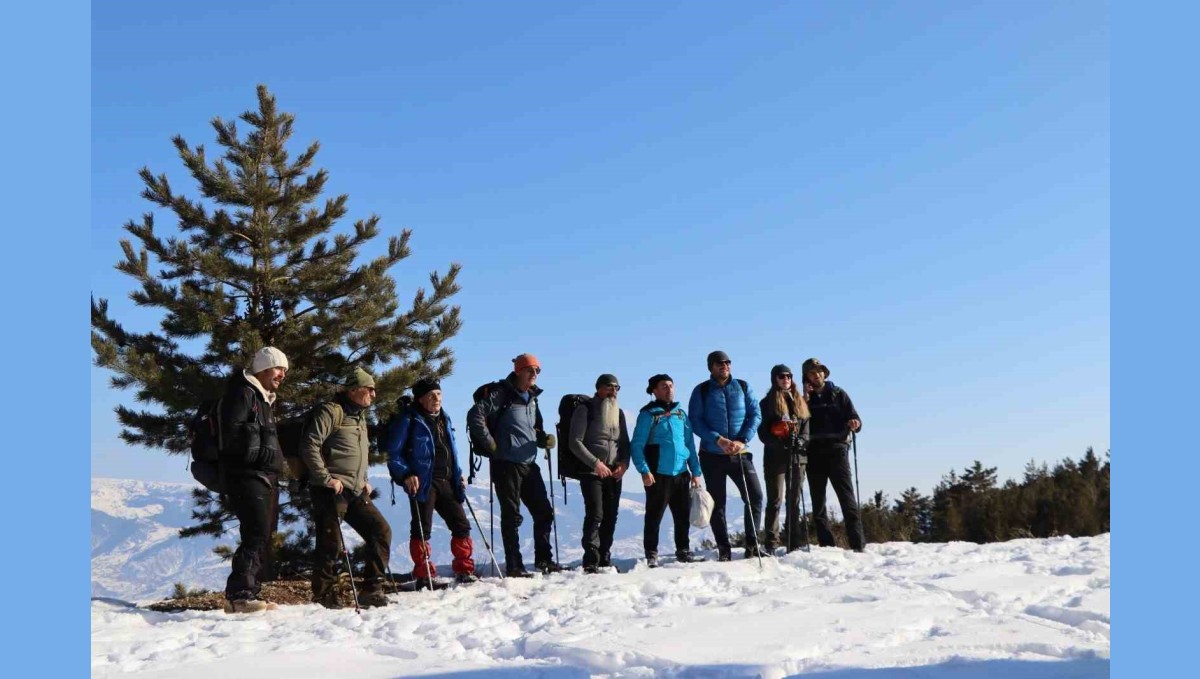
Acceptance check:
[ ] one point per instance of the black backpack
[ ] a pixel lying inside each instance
(569, 464)
(205, 430)
(476, 455)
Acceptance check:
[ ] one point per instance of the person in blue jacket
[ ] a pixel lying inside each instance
(664, 454)
(725, 415)
(423, 458)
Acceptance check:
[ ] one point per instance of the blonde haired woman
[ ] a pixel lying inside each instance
(784, 433)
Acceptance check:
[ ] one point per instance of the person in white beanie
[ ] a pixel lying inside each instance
(251, 465)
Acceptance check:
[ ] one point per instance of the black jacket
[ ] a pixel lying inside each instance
(249, 443)
(831, 409)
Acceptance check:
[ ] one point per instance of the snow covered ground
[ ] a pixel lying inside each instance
(1024, 609)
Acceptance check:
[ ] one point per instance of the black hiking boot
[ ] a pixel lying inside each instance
(518, 572)
(548, 567)
(688, 557)
(724, 556)
(373, 599)
(591, 569)
(466, 578)
(652, 560)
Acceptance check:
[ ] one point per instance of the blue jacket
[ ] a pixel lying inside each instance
(409, 445)
(728, 411)
(673, 434)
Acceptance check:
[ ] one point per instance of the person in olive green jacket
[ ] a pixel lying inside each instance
(334, 447)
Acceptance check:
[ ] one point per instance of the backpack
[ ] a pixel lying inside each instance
(569, 465)
(291, 433)
(475, 456)
(205, 430)
(651, 451)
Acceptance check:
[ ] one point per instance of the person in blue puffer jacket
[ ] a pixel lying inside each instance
(423, 459)
(725, 415)
(664, 453)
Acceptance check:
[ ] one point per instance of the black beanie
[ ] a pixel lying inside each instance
(655, 380)
(424, 386)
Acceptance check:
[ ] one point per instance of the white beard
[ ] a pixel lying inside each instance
(610, 414)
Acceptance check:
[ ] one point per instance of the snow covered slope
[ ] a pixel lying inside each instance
(1019, 610)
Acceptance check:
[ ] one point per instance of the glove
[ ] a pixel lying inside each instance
(546, 441)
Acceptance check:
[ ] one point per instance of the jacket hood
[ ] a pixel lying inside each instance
(660, 405)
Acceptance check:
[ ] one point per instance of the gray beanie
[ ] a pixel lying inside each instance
(266, 358)
(359, 378)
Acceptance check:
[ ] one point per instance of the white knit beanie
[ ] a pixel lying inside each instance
(268, 357)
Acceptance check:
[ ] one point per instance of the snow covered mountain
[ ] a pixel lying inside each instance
(1025, 609)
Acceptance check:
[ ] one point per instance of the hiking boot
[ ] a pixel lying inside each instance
(373, 599)
(591, 569)
(518, 572)
(248, 606)
(652, 560)
(687, 557)
(548, 567)
(466, 578)
(724, 555)
(605, 561)
(752, 552)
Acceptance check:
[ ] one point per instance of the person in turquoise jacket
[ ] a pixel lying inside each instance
(664, 454)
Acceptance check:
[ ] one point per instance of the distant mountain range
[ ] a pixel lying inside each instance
(137, 553)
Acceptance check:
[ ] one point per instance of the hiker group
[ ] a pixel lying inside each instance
(805, 431)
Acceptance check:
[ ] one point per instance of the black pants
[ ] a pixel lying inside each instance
(673, 492)
(783, 473)
(516, 483)
(719, 467)
(255, 502)
(601, 500)
(444, 500)
(831, 461)
(363, 516)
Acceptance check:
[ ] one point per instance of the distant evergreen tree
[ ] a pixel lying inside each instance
(254, 265)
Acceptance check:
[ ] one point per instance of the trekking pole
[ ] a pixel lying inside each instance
(424, 542)
(553, 510)
(804, 517)
(349, 570)
(495, 567)
(492, 516)
(857, 487)
(750, 510)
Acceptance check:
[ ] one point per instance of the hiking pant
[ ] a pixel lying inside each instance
(518, 482)
(443, 498)
(717, 468)
(601, 500)
(255, 502)
(831, 462)
(777, 466)
(668, 491)
(363, 516)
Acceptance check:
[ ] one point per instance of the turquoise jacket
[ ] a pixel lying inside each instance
(664, 427)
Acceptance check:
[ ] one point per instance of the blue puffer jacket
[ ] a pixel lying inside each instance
(673, 434)
(728, 411)
(410, 451)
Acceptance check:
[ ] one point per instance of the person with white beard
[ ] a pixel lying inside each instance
(600, 439)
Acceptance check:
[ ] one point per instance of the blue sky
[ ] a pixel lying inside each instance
(917, 194)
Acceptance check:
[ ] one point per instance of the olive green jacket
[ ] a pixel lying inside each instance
(334, 445)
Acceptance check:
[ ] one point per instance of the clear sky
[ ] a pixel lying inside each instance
(915, 193)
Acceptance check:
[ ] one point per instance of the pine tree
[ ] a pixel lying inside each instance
(255, 264)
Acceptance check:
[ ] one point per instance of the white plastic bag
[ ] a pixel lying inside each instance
(702, 506)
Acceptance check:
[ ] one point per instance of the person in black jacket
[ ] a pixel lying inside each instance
(833, 419)
(784, 432)
(251, 464)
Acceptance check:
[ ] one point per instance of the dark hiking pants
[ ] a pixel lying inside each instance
(516, 483)
(783, 474)
(831, 462)
(719, 467)
(255, 502)
(601, 500)
(673, 492)
(443, 499)
(363, 516)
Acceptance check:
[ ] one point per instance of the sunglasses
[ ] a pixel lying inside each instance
(723, 362)
(616, 387)
(783, 376)
(534, 369)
